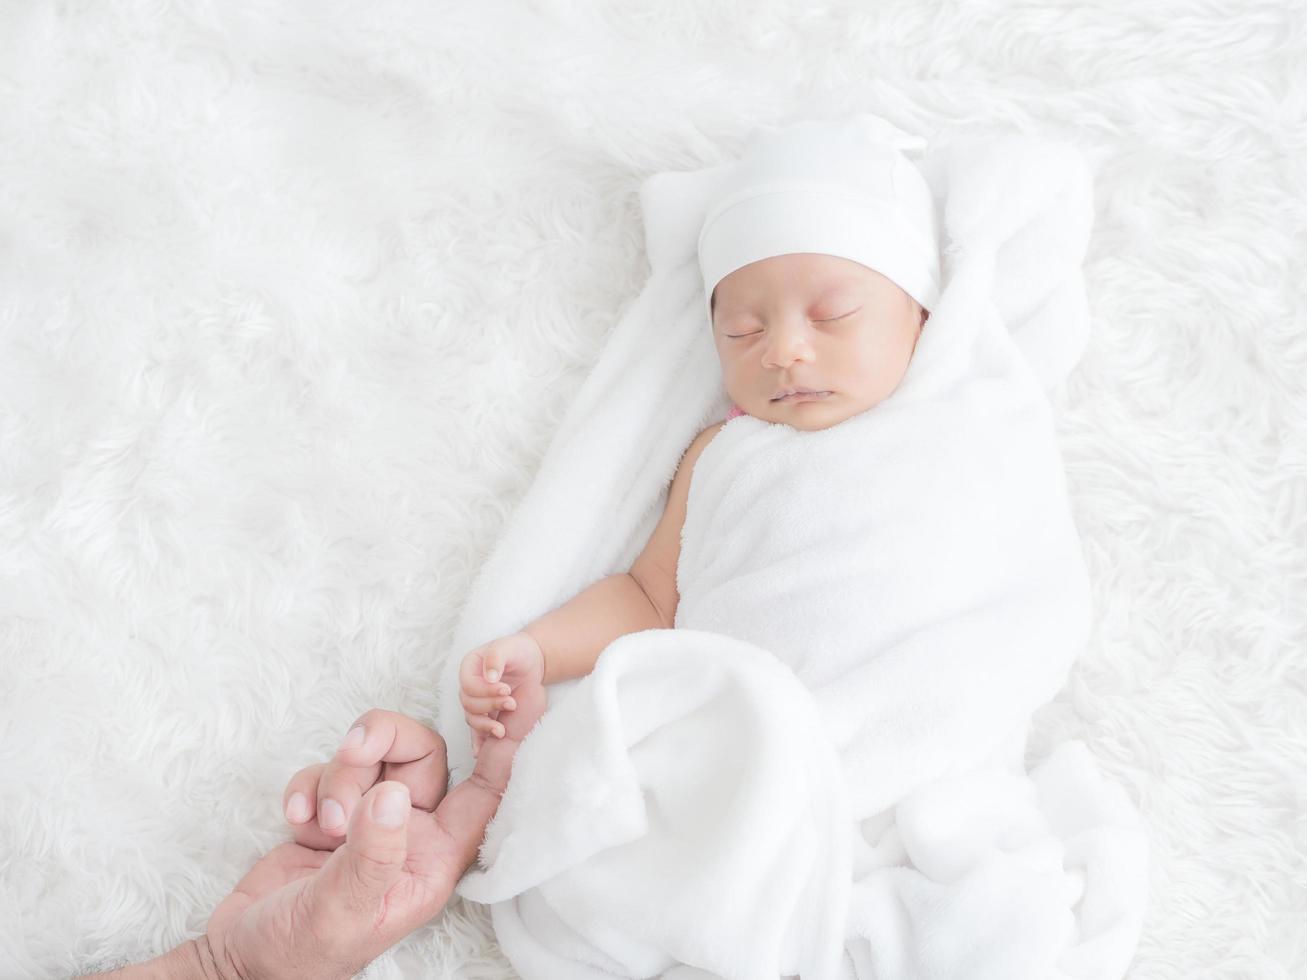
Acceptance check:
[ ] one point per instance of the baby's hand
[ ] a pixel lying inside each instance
(491, 674)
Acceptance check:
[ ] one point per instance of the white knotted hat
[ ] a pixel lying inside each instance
(842, 188)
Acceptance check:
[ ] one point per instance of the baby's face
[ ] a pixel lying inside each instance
(813, 321)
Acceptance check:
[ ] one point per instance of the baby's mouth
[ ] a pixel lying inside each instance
(803, 396)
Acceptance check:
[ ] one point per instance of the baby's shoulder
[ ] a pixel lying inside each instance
(685, 468)
(696, 445)
(701, 441)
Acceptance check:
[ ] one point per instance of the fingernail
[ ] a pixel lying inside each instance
(390, 807)
(297, 808)
(354, 738)
(331, 814)
(510, 704)
(492, 676)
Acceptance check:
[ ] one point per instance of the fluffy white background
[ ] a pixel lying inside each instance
(293, 295)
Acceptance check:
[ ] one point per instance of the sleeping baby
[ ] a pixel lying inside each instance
(793, 738)
(805, 339)
(796, 744)
(818, 261)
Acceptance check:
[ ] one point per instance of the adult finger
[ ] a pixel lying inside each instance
(343, 901)
(384, 745)
(339, 790)
(300, 798)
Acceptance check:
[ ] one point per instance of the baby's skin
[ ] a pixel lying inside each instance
(814, 321)
(804, 319)
(801, 320)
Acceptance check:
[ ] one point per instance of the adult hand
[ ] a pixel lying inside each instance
(321, 907)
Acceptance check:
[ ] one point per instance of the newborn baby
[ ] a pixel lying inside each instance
(806, 339)
(789, 738)
(819, 260)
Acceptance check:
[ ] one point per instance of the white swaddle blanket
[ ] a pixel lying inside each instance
(820, 771)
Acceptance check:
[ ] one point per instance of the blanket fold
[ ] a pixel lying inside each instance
(820, 771)
(686, 764)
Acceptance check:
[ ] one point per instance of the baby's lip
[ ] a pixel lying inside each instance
(783, 392)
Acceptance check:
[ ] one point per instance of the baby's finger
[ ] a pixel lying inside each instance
(487, 725)
(492, 664)
(481, 706)
(470, 680)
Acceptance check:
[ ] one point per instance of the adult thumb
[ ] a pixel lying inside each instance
(353, 882)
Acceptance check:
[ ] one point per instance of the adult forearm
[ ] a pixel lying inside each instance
(573, 635)
(192, 960)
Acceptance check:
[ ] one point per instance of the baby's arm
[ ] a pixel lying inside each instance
(573, 635)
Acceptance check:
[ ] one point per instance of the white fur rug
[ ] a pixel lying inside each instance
(293, 295)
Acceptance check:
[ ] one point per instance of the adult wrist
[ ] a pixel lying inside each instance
(208, 962)
(192, 960)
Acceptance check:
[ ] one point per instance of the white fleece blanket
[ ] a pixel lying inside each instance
(820, 771)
